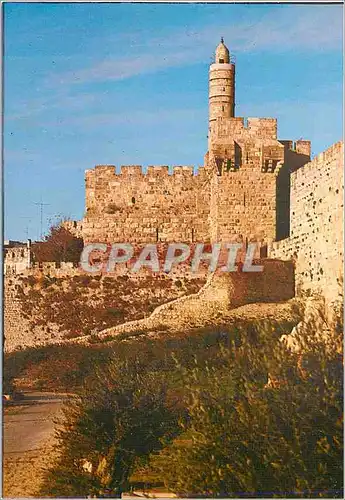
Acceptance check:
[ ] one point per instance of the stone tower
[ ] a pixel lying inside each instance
(221, 85)
(248, 166)
(242, 193)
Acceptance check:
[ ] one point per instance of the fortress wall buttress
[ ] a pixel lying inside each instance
(316, 225)
(152, 207)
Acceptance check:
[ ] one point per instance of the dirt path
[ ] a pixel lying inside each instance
(28, 436)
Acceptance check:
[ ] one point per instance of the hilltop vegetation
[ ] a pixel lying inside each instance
(228, 413)
(66, 367)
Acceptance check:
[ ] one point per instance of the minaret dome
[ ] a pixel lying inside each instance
(222, 53)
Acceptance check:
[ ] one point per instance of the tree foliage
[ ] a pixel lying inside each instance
(120, 418)
(244, 417)
(263, 426)
(60, 245)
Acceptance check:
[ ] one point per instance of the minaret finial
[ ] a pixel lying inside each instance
(221, 39)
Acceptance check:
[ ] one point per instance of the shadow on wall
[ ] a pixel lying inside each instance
(276, 283)
(294, 159)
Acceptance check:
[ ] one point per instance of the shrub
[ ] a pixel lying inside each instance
(61, 368)
(260, 427)
(112, 208)
(120, 418)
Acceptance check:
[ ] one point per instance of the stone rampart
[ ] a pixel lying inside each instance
(151, 207)
(316, 225)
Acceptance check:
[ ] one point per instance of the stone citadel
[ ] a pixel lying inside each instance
(252, 188)
(241, 193)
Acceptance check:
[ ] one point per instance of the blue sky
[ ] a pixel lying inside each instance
(89, 84)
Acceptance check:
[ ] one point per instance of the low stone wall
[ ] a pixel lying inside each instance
(275, 284)
(221, 293)
(69, 269)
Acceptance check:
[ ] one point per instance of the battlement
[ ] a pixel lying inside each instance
(300, 147)
(104, 169)
(252, 128)
(262, 126)
(319, 163)
(181, 170)
(157, 171)
(330, 154)
(130, 170)
(108, 172)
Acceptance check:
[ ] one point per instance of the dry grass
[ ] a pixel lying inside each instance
(23, 474)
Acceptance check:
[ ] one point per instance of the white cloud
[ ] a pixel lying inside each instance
(301, 28)
(53, 100)
(284, 29)
(137, 119)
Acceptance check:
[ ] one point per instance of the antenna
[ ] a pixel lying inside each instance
(27, 225)
(41, 205)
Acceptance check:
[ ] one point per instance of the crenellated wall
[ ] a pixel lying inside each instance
(151, 207)
(244, 128)
(316, 225)
(241, 194)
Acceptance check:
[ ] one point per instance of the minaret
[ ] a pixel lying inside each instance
(222, 85)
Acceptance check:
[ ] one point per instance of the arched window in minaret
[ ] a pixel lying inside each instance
(133, 200)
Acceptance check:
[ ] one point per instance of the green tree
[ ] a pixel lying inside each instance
(121, 417)
(261, 425)
(60, 245)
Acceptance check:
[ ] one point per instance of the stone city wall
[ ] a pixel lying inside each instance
(18, 329)
(152, 207)
(316, 225)
(221, 293)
